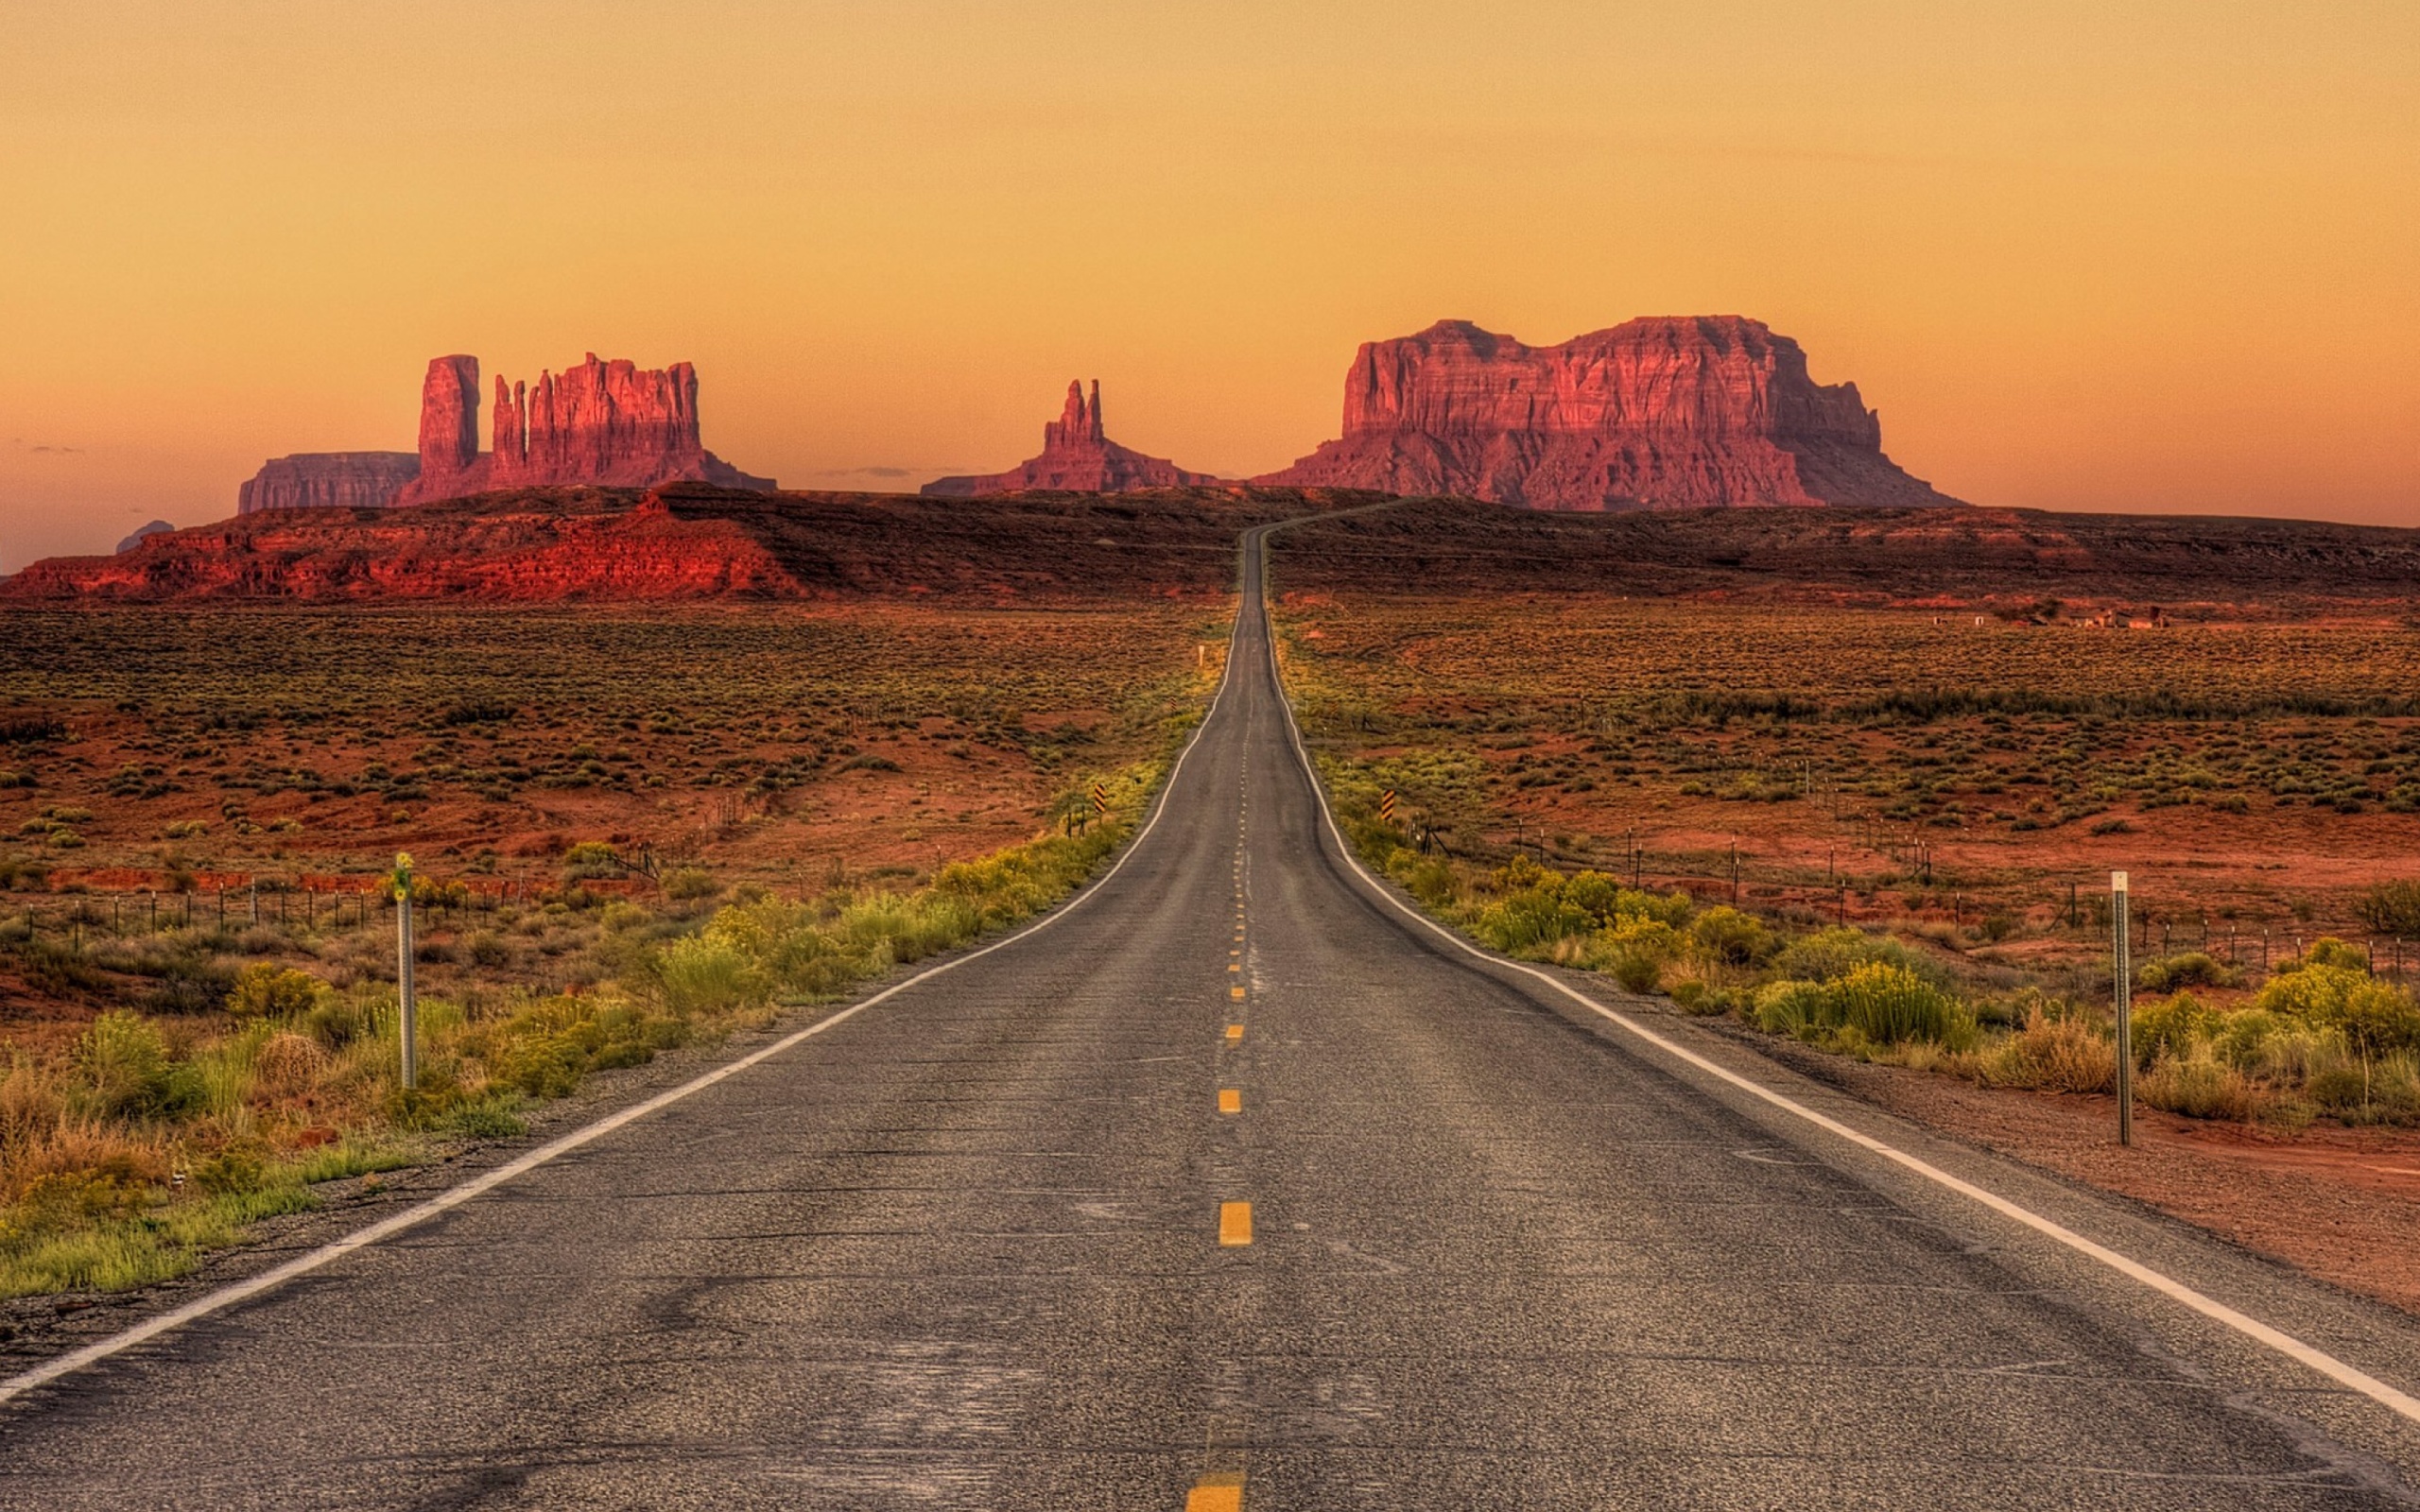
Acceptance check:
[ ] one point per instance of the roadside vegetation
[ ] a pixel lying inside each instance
(153, 1138)
(712, 822)
(1886, 833)
(2323, 1037)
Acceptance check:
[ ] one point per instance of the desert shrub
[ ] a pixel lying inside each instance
(2056, 1050)
(2325, 950)
(1829, 954)
(690, 884)
(1730, 937)
(1606, 898)
(1433, 882)
(706, 975)
(2375, 1016)
(121, 1064)
(2188, 969)
(267, 991)
(489, 950)
(2392, 908)
(1890, 1005)
(1880, 1003)
(1637, 971)
(336, 1022)
(287, 1065)
(32, 1103)
(1525, 922)
(1795, 1007)
(546, 1048)
(2170, 1026)
(590, 859)
(620, 917)
(2196, 1083)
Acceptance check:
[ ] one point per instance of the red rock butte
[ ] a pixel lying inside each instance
(599, 424)
(1670, 412)
(609, 425)
(1078, 456)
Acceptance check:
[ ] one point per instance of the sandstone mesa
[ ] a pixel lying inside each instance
(1663, 412)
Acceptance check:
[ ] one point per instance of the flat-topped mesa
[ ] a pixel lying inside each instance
(1077, 456)
(603, 424)
(1662, 412)
(327, 480)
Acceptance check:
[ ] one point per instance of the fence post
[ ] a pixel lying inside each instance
(2125, 984)
(409, 1015)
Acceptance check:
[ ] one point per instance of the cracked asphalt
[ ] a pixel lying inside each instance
(964, 1250)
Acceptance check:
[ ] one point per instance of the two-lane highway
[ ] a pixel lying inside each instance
(1233, 1186)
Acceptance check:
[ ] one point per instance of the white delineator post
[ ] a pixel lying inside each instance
(409, 1015)
(2125, 984)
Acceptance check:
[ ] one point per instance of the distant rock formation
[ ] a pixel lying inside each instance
(143, 533)
(1664, 412)
(602, 423)
(327, 480)
(1077, 456)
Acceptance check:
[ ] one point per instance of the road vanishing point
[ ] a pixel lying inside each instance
(1231, 1183)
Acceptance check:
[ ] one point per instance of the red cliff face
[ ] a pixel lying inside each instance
(327, 480)
(449, 416)
(1669, 411)
(1077, 456)
(603, 424)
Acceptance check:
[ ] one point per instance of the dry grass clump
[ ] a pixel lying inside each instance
(2055, 1049)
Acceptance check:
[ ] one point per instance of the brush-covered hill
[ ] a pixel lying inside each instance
(685, 541)
(1983, 557)
(690, 541)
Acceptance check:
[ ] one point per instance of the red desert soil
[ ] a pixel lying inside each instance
(2339, 1203)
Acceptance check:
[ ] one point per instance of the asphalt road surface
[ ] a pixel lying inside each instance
(978, 1246)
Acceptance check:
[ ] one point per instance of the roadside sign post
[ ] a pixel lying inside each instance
(1387, 806)
(2117, 935)
(408, 1014)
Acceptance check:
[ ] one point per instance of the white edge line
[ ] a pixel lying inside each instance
(226, 1296)
(2286, 1344)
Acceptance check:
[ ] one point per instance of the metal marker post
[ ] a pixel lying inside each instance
(409, 1015)
(2125, 1008)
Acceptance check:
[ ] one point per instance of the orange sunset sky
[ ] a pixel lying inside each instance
(2101, 255)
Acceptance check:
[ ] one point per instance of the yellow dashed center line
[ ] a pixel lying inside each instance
(1235, 1034)
(1235, 1225)
(1234, 966)
(1215, 1494)
(1236, 993)
(1231, 1099)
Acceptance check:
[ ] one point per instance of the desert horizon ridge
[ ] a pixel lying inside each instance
(1656, 412)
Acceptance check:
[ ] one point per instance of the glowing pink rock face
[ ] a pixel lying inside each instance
(601, 423)
(327, 480)
(1077, 456)
(1671, 412)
